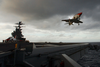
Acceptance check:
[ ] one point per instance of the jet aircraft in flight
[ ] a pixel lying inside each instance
(75, 19)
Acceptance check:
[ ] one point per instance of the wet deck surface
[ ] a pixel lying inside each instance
(91, 59)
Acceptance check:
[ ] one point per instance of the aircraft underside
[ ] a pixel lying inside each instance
(71, 21)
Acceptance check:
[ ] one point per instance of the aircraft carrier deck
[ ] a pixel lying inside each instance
(19, 52)
(41, 54)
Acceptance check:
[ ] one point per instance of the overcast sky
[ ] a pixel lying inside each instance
(42, 20)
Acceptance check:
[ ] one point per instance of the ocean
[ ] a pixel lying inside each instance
(91, 58)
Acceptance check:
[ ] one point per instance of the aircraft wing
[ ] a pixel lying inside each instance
(80, 22)
(69, 20)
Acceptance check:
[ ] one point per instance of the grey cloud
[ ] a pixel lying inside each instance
(42, 9)
(47, 14)
(90, 25)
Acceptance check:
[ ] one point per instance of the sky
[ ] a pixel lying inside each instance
(43, 23)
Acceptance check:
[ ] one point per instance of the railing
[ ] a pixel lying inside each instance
(69, 62)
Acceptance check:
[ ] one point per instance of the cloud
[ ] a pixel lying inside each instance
(43, 9)
(46, 15)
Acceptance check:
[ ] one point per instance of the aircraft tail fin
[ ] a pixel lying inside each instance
(79, 14)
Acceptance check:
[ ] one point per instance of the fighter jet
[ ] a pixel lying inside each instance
(75, 19)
